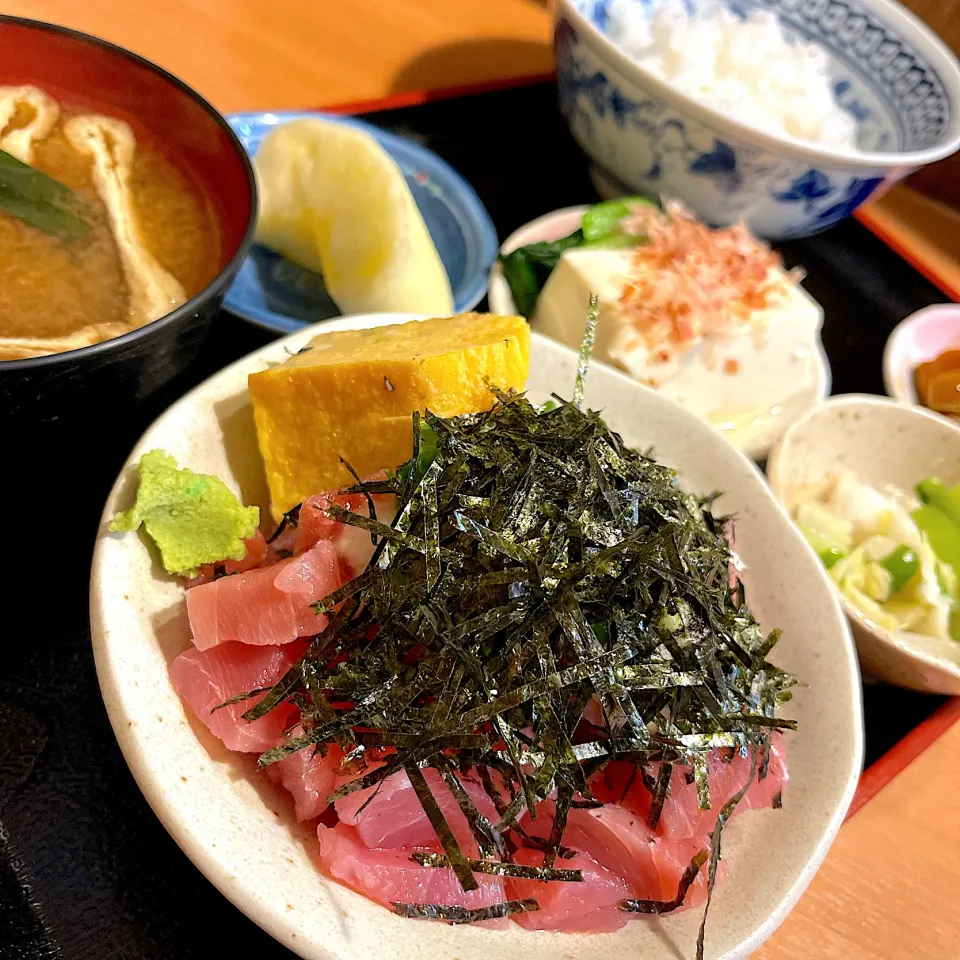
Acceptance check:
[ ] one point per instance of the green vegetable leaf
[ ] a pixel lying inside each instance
(603, 219)
(941, 531)
(612, 241)
(902, 565)
(831, 555)
(528, 268)
(946, 499)
(955, 622)
(37, 199)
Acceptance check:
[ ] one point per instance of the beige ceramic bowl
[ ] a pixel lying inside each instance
(240, 831)
(884, 444)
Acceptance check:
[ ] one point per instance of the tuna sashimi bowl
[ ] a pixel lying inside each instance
(511, 682)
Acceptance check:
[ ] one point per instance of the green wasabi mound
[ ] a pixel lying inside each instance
(193, 518)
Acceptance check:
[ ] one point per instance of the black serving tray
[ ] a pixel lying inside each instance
(86, 870)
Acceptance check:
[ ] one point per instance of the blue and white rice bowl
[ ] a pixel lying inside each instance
(889, 71)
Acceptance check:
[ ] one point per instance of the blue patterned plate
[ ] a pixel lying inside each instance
(274, 293)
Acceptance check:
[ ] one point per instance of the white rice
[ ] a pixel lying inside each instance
(748, 70)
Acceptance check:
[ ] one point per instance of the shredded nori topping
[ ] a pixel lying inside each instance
(665, 906)
(535, 564)
(499, 868)
(436, 911)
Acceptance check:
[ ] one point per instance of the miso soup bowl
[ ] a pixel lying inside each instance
(86, 71)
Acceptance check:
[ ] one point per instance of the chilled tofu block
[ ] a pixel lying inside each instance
(351, 394)
(719, 375)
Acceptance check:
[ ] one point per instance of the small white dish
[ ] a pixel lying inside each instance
(920, 337)
(884, 444)
(753, 432)
(239, 830)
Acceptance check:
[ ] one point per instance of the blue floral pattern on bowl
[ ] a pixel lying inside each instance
(648, 144)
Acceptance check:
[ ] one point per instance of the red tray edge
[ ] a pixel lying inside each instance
(905, 253)
(902, 754)
(415, 98)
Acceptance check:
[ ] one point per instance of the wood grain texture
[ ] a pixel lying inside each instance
(922, 219)
(941, 181)
(923, 231)
(282, 54)
(890, 886)
(943, 16)
(879, 774)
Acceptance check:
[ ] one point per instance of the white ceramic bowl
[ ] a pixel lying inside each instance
(807, 384)
(919, 338)
(890, 71)
(240, 831)
(885, 444)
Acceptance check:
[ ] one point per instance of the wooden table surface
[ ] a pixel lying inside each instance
(890, 887)
(284, 54)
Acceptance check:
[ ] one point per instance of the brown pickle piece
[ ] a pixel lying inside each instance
(938, 383)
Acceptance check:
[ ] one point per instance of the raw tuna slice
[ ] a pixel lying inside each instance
(256, 552)
(314, 524)
(390, 876)
(353, 544)
(309, 777)
(394, 816)
(681, 816)
(624, 844)
(589, 907)
(281, 545)
(620, 858)
(204, 679)
(271, 605)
